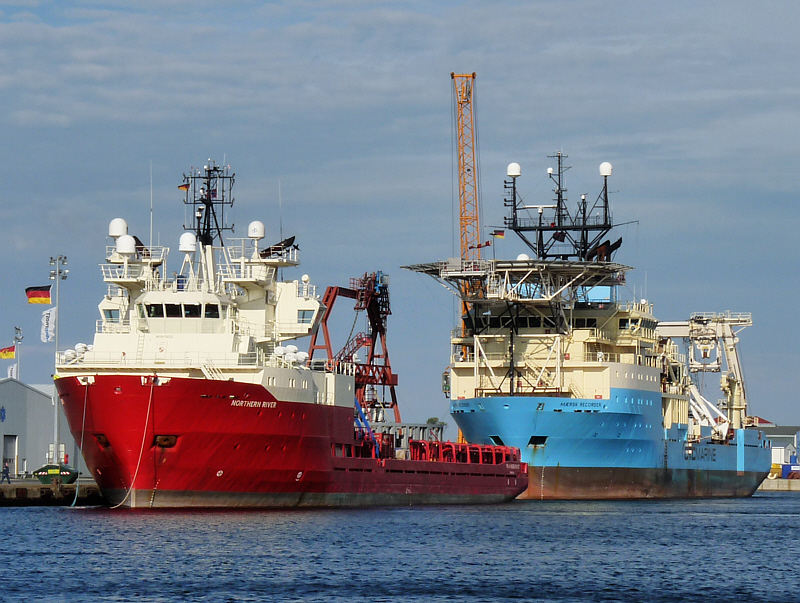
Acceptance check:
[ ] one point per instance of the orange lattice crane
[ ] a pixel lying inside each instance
(469, 219)
(469, 209)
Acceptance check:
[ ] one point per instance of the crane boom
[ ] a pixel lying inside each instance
(464, 88)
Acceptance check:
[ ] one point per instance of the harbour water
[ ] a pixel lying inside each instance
(654, 551)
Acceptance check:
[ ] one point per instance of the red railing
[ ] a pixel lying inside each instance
(451, 452)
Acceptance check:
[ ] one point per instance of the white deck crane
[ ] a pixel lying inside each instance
(711, 336)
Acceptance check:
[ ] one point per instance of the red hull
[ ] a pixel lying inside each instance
(197, 442)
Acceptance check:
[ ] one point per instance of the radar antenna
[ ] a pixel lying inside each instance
(208, 191)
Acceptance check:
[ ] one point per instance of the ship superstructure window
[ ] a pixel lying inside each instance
(211, 311)
(304, 317)
(173, 310)
(111, 315)
(154, 310)
(191, 310)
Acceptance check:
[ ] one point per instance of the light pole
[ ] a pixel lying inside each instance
(57, 274)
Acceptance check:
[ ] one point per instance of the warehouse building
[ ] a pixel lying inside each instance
(26, 426)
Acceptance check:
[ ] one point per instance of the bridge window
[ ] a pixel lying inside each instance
(211, 311)
(154, 310)
(191, 310)
(173, 310)
(304, 317)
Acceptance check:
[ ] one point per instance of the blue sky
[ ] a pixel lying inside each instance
(348, 105)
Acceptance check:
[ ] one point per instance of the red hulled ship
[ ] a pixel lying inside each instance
(192, 394)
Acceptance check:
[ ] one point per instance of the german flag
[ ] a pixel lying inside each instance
(184, 186)
(8, 353)
(38, 295)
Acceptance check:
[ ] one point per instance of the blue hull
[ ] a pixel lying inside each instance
(613, 448)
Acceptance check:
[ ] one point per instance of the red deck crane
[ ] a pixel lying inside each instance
(371, 292)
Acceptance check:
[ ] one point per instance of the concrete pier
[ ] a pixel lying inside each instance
(32, 493)
(780, 485)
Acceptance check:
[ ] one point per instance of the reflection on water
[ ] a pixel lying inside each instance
(743, 549)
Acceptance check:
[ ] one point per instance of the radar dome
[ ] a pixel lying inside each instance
(126, 245)
(255, 230)
(305, 278)
(513, 170)
(187, 243)
(605, 169)
(523, 257)
(117, 227)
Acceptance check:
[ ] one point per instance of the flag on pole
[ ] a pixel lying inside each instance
(49, 318)
(8, 353)
(499, 234)
(184, 186)
(12, 371)
(38, 295)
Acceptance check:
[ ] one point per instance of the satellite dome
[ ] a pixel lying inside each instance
(280, 350)
(290, 357)
(513, 170)
(305, 278)
(523, 257)
(70, 355)
(117, 227)
(605, 169)
(291, 349)
(187, 243)
(81, 348)
(255, 230)
(126, 245)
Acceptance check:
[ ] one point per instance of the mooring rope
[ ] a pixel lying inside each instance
(83, 427)
(141, 449)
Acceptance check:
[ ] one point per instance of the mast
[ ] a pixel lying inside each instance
(555, 233)
(208, 193)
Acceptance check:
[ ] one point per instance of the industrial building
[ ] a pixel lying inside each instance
(26, 426)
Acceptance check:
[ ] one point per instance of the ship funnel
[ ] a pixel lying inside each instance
(117, 227)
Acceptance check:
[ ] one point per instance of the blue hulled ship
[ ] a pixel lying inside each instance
(601, 397)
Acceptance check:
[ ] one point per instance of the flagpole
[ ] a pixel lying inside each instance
(18, 342)
(58, 275)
